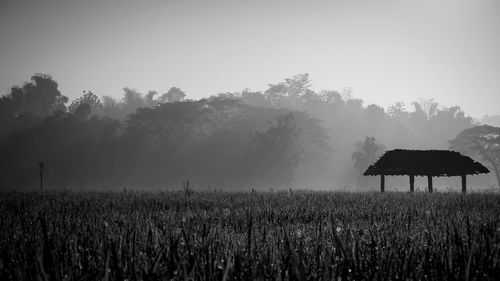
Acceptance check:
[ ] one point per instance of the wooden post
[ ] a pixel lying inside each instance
(429, 183)
(464, 184)
(382, 183)
(412, 183)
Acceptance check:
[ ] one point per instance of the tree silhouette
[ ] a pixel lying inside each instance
(366, 153)
(482, 141)
(83, 112)
(30, 103)
(290, 91)
(88, 98)
(275, 152)
(173, 95)
(168, 124)
(397, 110)
(332, 97)
(156, 139)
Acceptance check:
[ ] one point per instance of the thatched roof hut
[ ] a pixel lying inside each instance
(430, 163)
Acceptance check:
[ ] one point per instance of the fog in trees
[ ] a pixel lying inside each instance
(285, 136)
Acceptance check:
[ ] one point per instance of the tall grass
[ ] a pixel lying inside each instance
(247, 236)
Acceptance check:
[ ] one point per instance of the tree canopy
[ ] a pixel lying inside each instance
(483, 142)
(286, 135)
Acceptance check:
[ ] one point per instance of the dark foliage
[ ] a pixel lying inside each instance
(217, 142)
(366, 153)
(483, 142)
(230, 141)
(74, 150)
(30, 103)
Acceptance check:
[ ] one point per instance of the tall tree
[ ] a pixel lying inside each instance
(39, 97)
(289, 92)
(30, 103)
(173, 95)
(366, 153)
(89, 98)
(275, 153)
(167, 124)
(482, 141)
(397, 110)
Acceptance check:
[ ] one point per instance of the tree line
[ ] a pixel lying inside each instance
(284, 136)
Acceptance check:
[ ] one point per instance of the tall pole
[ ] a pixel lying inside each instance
(382, 183)
(429, 183)
(40, 164)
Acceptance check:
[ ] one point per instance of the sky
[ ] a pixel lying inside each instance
(385, 51)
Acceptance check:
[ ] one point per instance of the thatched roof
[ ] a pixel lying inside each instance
(448, 163)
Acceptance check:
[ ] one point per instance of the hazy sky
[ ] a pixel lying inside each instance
(384, 50)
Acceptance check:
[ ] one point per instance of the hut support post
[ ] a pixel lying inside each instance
(382, 183)
(412, 183)
(429, 183)
(464, 184)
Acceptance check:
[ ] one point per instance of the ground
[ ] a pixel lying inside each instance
(292, 235)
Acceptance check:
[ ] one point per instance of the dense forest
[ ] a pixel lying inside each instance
(285, 136)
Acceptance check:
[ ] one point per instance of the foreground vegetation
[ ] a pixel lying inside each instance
(246, 236)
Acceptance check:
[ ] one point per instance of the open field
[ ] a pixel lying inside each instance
(246, 236)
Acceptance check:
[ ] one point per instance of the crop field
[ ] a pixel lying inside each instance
(292, 235)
